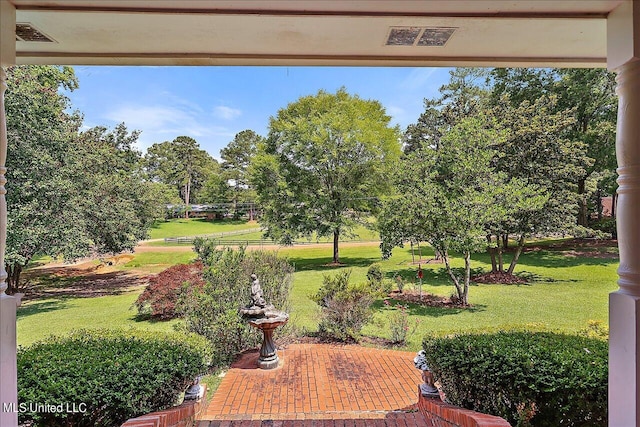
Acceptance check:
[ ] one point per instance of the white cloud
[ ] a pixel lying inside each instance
(395, 111)
(160, 123)
(417, 78)
(226, 113)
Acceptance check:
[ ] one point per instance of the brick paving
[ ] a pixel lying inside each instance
(320, 385)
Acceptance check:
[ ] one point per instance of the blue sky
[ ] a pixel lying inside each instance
(212, 104)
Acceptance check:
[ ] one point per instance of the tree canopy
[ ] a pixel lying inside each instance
(326, 159)
(236, 158)
(181, 163)
(55, 207)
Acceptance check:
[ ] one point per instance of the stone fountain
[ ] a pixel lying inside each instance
(428, 388)
(265, 317)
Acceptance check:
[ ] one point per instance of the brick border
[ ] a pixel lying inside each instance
(445, 415)
(183, 415)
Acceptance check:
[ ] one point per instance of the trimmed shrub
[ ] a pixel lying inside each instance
(213, 310)
(159, 298)
(375, 276)
(375, 279)
(530, 379)
(345, 308)
(108, 376)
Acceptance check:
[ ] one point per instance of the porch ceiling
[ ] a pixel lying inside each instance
(329, 32)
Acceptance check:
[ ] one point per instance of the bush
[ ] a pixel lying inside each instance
(607, 225)
(345, 308)
(375, 276)
(537, 379)
(161, 294)
(399, 326)
(114, 375)
(212, 311)
(375, 279)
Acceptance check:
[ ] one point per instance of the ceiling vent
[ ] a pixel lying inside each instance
(419, 36)
(28, 33)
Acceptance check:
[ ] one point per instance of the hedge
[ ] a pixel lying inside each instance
(528, 378)
(108, 376)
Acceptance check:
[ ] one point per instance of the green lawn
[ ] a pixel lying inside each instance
(155, 262)
(197, 227)
(564, 293)
(186, 228)
(42, 318)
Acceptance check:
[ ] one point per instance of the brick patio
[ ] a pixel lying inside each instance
(320, 385)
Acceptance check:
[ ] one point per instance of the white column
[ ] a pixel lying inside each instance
(623, 51)
(8, 304)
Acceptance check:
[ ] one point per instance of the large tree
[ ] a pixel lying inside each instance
(538, 152)
(69, 194)
(446, 194)
(588, 97)
(182, 164)
(114, 199)
(236, 157)
(326, 160)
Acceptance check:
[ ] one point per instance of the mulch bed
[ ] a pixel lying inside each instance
(426, 299)
(502, 278)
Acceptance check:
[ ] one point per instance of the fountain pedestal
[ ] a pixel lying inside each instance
(265, 317)
(268, 353)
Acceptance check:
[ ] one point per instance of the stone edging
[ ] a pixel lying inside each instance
(446, 415)
(183, 415)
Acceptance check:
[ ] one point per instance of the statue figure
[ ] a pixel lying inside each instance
(428, 389)
(265, 317)
(257, 299)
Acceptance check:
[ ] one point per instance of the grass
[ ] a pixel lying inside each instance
(564, 292)
(42, 318)
(155, 262)
(196, 227)
(186, 228)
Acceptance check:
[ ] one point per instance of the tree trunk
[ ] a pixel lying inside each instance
(419, 252)
(505, 240)
(187, 197)
(413, 255)
(454, 279)
(13, 277)
(492, 254)
(336, 238)
(582, 203)
(499, 251)
(614, 199)
(514, 261)
(467, 278)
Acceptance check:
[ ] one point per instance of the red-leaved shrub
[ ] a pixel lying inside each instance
(161, 295)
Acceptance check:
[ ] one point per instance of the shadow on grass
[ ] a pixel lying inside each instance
(60, 283)
(146, 317)
(532, 278)
(431, 277)
(41, 307)
(422, 310)
(562, 259)
(557, 258)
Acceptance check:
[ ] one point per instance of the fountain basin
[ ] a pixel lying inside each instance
(268, 358)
